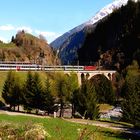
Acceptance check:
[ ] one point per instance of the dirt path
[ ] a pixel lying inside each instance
(23, 114)
(114, 126)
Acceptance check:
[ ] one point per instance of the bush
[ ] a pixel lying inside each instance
(29, 131)
(36, 132)
(86, 134)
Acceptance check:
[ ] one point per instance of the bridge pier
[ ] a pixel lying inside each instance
(90, 74)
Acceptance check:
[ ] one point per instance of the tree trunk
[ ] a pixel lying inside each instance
(61, 110)
(36, 111)
(10, 107)
(14, 108)
(18, 108)
(73, 110)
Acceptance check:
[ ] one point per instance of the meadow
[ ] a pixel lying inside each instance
(59, 129)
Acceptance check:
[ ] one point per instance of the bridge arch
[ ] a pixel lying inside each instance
(103, 87)
(89, 74)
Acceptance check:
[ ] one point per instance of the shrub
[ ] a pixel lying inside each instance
(29, 131)
(36, 132)
(86, 134)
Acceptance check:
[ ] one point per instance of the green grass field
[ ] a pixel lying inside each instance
(59, 129)
(105, 107)
(7, 45)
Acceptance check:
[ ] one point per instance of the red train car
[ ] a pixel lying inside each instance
(90, 68)
(18, 68)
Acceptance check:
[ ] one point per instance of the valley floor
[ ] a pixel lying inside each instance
(111, 125)
(114, 126)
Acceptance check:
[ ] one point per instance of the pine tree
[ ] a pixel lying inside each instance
(7, 92)
(61, 90)
(12, 39)
(87, 100)
(6, 88)
(81, 97)
(75, 102)
(72, 83)
(12, 91)
(91, 102)
(104, 89)
(28, 92)
(48, 99)
(17, 93)
(131, 101)
(37, 91)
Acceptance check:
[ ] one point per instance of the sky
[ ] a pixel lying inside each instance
(50, 18)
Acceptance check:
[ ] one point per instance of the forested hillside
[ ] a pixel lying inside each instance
(116, 39)
(26, 47)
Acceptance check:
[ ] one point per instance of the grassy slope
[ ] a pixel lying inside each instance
(105, 107)
(7, 45)
(62, 130)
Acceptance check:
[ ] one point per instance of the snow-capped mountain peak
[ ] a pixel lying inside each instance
(100, 15)
(107, 10)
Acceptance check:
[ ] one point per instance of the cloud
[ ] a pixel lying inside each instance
(7, 27)
(50, 36)
(10, 27)
(3, 39)
(25, 28)
(45, 33)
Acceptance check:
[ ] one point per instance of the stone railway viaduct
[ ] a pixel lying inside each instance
(107, 73)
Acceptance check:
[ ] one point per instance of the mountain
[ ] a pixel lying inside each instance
(115, 42)
(68, 44)
(28, 48)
